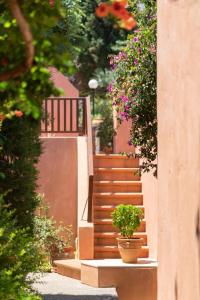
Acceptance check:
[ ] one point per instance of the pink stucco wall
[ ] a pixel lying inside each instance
(58, 178)
(120, 140)
(179, 150)
(150, 200)
(63, 82)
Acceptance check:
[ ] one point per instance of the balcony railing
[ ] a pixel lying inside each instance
(65, 115)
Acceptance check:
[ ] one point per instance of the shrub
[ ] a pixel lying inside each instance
(106, 129)
(18, 256)
(127, 219)
(18, 156)
(51, 238)
(134, 89)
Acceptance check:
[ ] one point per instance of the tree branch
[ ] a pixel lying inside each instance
(28, 39)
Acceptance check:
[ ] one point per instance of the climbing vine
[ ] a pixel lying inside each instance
(133, 91)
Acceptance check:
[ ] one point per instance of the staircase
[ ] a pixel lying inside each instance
(115, 182)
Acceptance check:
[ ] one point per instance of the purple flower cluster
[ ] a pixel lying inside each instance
(124, 98)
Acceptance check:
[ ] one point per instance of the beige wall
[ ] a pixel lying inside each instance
(58, 178)
(83, 180)
(179, 150)
(150, 199)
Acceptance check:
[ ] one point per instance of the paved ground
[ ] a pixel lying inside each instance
(56, 287)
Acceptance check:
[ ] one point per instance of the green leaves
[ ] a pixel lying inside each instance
(135, 78)
(127, 219)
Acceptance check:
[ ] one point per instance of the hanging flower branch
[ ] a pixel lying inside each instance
(118, 10)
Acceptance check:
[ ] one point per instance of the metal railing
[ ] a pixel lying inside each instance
(64, 115)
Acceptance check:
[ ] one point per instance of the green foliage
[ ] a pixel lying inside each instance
(99, 39)
(134, 89)
(19, 155)
(106, 130)
(51, 237)
(27, 92)
(18, 256)
(127, 219)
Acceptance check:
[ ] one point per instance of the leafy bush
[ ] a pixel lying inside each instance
(127, 219)
(134, 90)
(18, 256)
(106, 128)
(51, 238)
(18, 156)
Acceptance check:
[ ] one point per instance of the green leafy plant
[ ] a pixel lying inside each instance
(51, 238)
(106, 128)
(133, 91)
(127, 219)
(18, 256)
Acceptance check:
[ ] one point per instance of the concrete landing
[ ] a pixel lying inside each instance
(132, 281)
(69, 267)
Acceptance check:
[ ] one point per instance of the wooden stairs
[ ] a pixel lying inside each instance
(116, 181)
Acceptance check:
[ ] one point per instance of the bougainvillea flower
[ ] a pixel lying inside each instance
(4, 61)
(129, 24)
(102, 10)
(18, 113)
(124, 98)
(52, 2)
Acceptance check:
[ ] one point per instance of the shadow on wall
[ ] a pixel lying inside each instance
(176, 288)
(78, 297)
(198, 237)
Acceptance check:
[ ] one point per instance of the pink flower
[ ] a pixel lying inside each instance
(110, 88)
(18, 113)
(124, 98)
(52, 2)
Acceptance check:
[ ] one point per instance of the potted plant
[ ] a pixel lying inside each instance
(127, 219)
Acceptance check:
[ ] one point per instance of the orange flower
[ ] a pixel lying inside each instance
(2, 117)
(18, 113)
(123, 2)
(102, 10)
(117, 9)
(129, 24)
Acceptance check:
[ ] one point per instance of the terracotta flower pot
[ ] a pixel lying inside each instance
(130, 249)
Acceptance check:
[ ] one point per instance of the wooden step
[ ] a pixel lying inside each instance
(113, 252)
(117, 186)
(105, 225)
(69, 267)
(117, 198)
(122, 174)
(110, 238)
(104, 211)
(115, 160)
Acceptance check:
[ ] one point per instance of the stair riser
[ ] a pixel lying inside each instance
(121, 176)
(111, 241)
(116, 162)
(103, 188)
(102, 200)
(103, 214)
(110, 228)
(144, 253)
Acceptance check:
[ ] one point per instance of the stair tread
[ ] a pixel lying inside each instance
(110, 207)
(108, 221)
(117, 194)
(115, 234)
(115, 169)
(113, 156)
(113, 248)
(127, 182)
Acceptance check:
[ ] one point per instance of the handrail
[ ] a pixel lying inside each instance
(65, 115)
